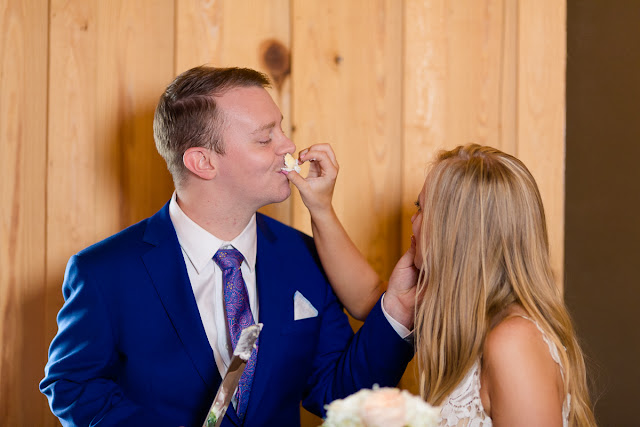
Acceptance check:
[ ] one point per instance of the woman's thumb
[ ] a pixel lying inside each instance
(295, 178)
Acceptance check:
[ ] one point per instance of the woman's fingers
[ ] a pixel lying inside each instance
(316, 189)
(321, 165)
(297, 180)
(316, 150)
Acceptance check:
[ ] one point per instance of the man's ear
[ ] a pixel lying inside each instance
(199, 161)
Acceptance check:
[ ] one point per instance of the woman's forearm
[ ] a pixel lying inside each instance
(354, 281)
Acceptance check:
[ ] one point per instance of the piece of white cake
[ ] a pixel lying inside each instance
(290, 163)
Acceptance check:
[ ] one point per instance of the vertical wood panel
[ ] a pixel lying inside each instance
(240, 33)
(23, 119)
(541, 110)
(109, 64)
(490, 72)
(142, 63)
(509, 78)
(347, 79)
(459, 80)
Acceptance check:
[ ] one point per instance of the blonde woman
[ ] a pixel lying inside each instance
(493, 338)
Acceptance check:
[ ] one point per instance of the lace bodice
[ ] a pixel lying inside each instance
(463, 407)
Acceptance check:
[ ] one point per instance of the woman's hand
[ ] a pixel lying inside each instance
(316, 189)
(400, 299)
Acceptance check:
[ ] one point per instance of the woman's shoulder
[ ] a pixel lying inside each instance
(512, 332)
(517, 367)
(517, 343)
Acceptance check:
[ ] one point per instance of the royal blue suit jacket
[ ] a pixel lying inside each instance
(131, 349)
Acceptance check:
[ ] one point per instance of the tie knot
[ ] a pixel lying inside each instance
(228, 258)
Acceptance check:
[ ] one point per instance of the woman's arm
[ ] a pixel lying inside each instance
(521, 384)
(354, 281)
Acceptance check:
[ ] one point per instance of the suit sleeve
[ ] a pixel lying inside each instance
(345, 363)
(79, 376)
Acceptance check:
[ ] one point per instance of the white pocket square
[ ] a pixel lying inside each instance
(302, 308)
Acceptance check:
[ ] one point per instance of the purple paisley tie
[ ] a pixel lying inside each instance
(236, 301)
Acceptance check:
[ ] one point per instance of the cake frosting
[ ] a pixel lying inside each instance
(290, 163)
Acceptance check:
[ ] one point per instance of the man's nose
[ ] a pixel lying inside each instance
(286, 145)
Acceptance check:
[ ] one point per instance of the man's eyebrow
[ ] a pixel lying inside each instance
(267, 126)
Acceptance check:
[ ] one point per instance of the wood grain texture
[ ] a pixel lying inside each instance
(347, 79)
(110, 61)
(240, 33)
(23, 132)
(541, 110)
(459, 75)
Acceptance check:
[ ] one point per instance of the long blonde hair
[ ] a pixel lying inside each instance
(484, 247)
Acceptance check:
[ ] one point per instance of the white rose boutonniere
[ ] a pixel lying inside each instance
(381, 407)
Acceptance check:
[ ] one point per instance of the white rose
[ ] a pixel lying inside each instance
(384, 408)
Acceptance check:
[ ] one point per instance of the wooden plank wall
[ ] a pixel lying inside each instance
(386, 82)
(23, 157)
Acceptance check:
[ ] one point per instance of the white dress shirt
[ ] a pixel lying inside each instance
(198, 248)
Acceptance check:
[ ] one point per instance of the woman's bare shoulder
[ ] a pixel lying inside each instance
(516, 343)
(519, 374)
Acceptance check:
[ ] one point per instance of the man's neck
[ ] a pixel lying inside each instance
(224, 220)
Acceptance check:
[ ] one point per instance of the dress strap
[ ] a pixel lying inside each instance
(552, 347)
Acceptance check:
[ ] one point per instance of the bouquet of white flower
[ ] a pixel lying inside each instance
(381, 407)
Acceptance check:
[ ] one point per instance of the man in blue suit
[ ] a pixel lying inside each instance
(143, 337)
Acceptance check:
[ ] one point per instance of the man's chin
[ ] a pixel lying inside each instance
(284, 195)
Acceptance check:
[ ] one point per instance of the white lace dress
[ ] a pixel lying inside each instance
(463, 407)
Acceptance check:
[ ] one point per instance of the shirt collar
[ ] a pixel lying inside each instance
(200, 246)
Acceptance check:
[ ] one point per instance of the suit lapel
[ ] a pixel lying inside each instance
(273, 303)
(165, 264)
